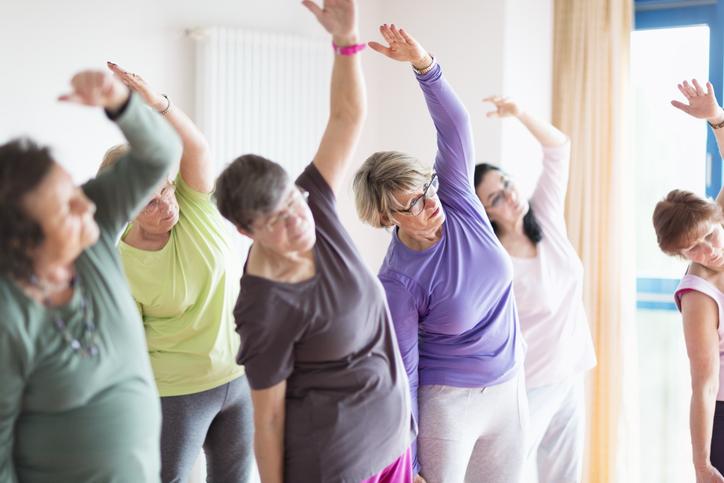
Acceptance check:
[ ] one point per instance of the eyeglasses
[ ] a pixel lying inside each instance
(416, 207)
(298, 197)
(165, 195)
(508, 180)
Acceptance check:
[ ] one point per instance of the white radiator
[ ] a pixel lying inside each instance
(262, 92)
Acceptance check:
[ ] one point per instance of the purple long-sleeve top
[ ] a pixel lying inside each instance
(452, 304)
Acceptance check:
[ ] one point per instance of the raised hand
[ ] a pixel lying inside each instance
(97, 88)
(401, 47)
(138, 85)
(701, 104)
(505, 107)
(338, 17)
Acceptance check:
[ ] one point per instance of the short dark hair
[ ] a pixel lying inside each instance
(531, 228)
(679, 218)
(23, 166)
(249, 187)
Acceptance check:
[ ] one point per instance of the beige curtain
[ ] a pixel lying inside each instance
(590, 104)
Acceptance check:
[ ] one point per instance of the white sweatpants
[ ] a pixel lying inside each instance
(557, 432)
(474, 435)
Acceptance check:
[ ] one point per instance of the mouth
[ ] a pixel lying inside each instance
(170, 217)
(715, 259)
(434, 213)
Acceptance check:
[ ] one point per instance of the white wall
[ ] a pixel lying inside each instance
(484, 46)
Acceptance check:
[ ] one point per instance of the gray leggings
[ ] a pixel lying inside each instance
(221, 421)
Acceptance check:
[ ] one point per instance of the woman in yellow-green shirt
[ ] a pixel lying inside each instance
(184, 274)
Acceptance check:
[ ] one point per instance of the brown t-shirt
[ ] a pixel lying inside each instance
(331, 337)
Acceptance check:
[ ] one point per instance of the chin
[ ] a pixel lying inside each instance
(307, 242)
(91, 234)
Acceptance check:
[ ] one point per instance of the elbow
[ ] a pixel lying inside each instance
(353, 115)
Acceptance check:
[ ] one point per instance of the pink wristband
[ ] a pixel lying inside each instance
(351, 50)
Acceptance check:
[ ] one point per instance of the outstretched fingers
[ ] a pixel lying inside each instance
(314, 8)
(387, 34)
(681, 106)
(407, 37)
(396, 33)
(378, 47)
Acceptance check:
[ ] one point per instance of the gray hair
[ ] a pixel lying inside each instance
(380, 177)
(249, 187)
(112, 155)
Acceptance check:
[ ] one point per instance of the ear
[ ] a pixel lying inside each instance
(385, 220)
(245, 233)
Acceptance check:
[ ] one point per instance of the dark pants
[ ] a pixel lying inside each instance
(717, 438)
(220, 420)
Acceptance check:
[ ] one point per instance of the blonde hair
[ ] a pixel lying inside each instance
(112, 155)
(380, 177)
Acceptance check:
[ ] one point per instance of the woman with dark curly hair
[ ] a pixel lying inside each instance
(78, 400)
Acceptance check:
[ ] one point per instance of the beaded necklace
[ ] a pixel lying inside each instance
(89, 331)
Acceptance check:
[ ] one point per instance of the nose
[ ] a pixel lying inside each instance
(509, 195)
(164, 205)
(82, 204)
(707, 248)
(431, 203)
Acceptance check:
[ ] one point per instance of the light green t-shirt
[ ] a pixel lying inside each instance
(186, 294)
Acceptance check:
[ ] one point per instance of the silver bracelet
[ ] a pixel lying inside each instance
(168, 107)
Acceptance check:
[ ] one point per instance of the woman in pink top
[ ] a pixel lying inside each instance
(547, 281)
(690, 227)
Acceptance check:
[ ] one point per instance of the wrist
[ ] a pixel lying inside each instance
(718, 119)
(117, 98)
(345, 40)
(423, 63)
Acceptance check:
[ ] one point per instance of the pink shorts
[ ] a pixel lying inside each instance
(400, 471)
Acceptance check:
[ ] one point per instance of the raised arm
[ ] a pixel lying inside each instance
(546, 134)
(456, 152)
(196, 165)
(702, 104)
(119, 191)
(701, 317)
(549, 196)
(348, 96)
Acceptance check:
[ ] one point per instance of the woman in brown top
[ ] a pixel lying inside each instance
(328, 386)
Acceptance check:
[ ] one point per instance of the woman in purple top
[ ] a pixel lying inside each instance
(449, 285)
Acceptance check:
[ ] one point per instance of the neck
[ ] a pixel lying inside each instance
(420, 241)
(152, 235)
(513, 229)
(711, 269)
(55, 278)
(290, 267)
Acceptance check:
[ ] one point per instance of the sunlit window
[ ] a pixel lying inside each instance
(670, 154)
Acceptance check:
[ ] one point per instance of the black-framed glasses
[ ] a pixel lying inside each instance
(418, 204)
(507, 181)
(165, 194)
(298, 196)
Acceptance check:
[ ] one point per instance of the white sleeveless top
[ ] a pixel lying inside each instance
(692, 282)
